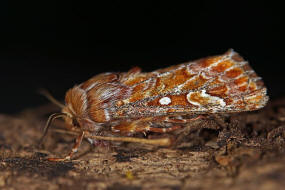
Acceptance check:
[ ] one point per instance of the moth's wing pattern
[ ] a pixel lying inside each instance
(224, 83)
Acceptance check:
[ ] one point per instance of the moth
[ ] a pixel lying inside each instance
(126, 103)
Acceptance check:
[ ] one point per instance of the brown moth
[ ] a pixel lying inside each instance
(136, 102)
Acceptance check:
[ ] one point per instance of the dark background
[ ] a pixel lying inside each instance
(56, 44)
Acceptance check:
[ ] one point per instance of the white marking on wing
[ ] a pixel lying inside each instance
(165, 101)
(211, 99)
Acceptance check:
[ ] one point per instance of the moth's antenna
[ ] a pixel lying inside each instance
(49, 121)
(45, 93)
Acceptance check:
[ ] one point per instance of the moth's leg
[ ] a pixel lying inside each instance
(73, 150)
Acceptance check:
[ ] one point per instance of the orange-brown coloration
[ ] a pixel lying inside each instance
(255, 100)
(228, 101)
(194, 83)
(159, 87)
(119, 103)
(206, 62)
(75, 98)
(180, 76)
(135, 102)
(252, 86)
(241, 80)
(100, 116)
(237, 58)
(172, 80)
(111, 96)
(180, 100)
(243, 88)
(216, 82)
(240, 104)
(220, 91)
(135, 80)
(196, 97)
(154, 102)
(176, 100)
(137, 92)
(221, 67)
(233, 73)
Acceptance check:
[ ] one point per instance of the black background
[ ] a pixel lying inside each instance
(56, 44)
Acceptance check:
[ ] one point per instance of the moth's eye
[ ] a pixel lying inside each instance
(75, 123)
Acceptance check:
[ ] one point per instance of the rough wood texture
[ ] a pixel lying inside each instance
(243, 151)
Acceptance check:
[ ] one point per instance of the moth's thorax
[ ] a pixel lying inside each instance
(78, 105)
(95, 99)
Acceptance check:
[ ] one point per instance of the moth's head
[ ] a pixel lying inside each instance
(71, 121)
(70, 118)
(67, 113)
